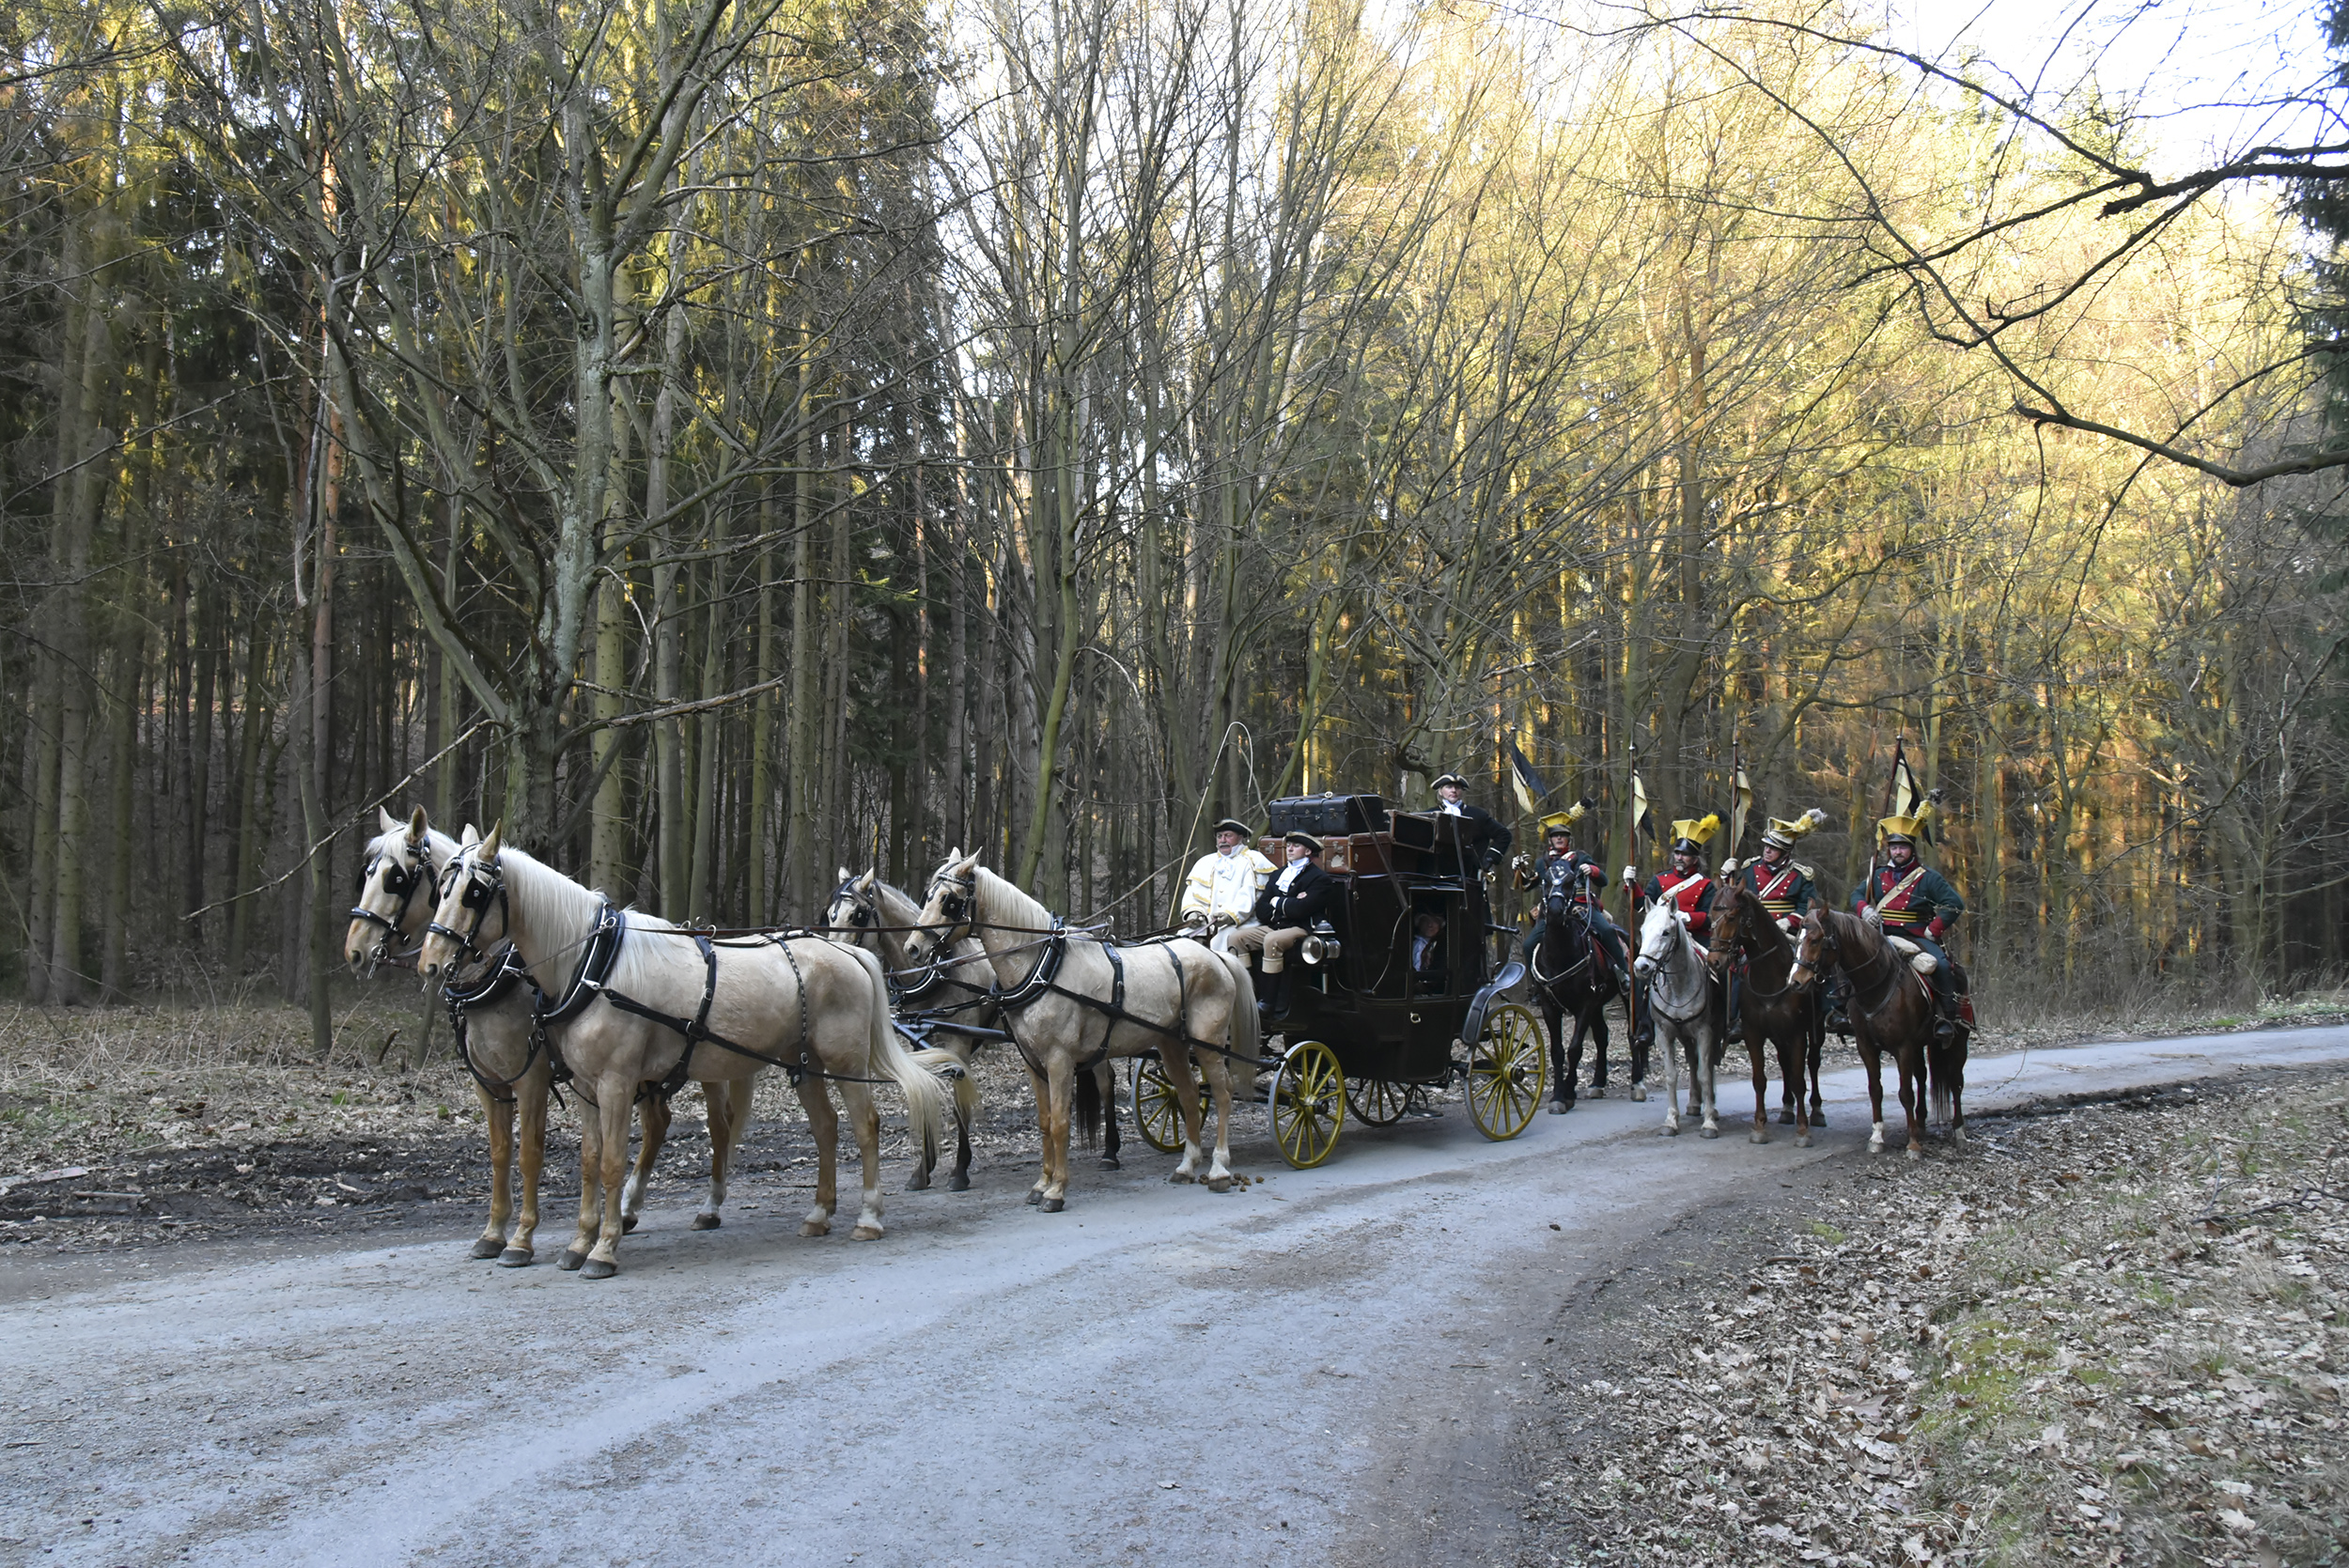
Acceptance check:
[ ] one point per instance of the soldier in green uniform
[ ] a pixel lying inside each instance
(1914, 901)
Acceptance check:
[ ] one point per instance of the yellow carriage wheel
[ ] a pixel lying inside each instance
(1507, 1073)
(1157, 1114)
(1375, 1102)
(1308, 1102)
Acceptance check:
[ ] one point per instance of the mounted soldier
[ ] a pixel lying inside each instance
(1284, 916)
(1783, 884)
(1563, 876)
(1220, 892)
(1483, 837)
(1687, 884)
(1915, 903)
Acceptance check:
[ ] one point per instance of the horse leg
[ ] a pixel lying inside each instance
(499, 1114)
(1755, 1046)
(1790, 1069)
(590, 1185)
(864, 1119)
(603, 1258)
(1106, 1073)
(1704, 1058)
(1563, 1068)
(1582, 1021)
(721, 1107)
(658, 1113)
(1872, 1057)
(1176, 1059)
(1219, 1072)
(1061, 1098)
(1956, 1081)
(1815, 1030)
(1672, 1086)
(532, 1092)
(966, 1107)
(1912, 1061)
(823, 1125)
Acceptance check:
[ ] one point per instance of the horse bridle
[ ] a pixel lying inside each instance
(401, 881)
(1827, 935)
(478, 897)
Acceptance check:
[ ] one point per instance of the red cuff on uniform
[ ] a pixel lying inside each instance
(1933, 929)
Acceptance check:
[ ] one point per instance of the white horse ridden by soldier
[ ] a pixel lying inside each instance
(509, 1053)
(1070, 1001)
(671, 1005)
(1690, 1011)
(877, 917)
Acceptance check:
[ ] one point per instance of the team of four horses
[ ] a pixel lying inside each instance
(548, 984)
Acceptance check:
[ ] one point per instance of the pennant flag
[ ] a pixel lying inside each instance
(1530, 789)
(1740, 806)
(1641, 821)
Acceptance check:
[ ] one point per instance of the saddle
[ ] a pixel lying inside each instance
(1918, 959)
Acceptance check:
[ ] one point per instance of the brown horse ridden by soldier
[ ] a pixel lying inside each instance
(510, 1058)
(1891, 1008)
(1772, 1008)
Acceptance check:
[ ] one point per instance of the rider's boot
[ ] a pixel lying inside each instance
(1944, 1014)
(1839, 1009)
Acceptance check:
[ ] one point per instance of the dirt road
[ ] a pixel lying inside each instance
(1326, 1365)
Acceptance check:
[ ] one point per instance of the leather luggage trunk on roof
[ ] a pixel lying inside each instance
(1343, 854)
(1327, 815)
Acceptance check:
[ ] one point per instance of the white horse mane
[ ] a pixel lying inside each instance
(560, 916)
(998, 901)
(439, 848)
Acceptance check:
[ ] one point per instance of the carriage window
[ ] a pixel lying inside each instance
(1435, 947)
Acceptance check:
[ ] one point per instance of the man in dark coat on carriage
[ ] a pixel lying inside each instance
(1284, 916)
(1483, 837)
(1566, 875)
(1916, 902)
(1781, 882)
(1686, 883)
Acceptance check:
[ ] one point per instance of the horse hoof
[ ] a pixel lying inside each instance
(1182, 1176)
(1599, 1091)
(1757, 1136)
(705, 1222)
(1559, 1108)
(488, 1247)
(865, 1232)
(1108, 1162)
(1219, 1184)
(1052, 1206)
(1957, 1136)
(1709, 1132)
(515, 1257)
(628, 1224)
(1802, 1141)
(959, 1184)
(1818, 1119)
(1639, 1092)
(920, 1183)
(1034, 1197)
(596, 1268)
(1671, 1131)
(571, 1260)
(1914, 1153)
(815, 1227)
(1785, 1117)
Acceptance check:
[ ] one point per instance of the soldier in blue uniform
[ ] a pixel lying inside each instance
(1912, 900)
(1566, 874)
(1782, 883)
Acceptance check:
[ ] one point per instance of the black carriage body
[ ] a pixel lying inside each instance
(1384, 1018)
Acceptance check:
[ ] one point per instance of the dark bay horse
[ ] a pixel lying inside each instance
(1573, 979)
(1891, 1009)
(1773, 1009)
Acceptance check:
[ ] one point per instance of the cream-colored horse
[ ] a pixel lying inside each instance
(1069, 1002)
(513, 1069)
(730, 1009)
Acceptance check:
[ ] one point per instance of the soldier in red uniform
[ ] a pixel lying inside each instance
(1689, 885)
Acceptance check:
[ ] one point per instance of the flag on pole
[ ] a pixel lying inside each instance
(1530, 789)
(1741, 804)
(1641, 821)
(1909, 798)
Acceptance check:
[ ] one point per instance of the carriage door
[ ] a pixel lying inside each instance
(1456, 943)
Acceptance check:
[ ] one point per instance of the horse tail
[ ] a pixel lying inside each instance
(1244, 1042)
(1938, 1074)
(1088, 1111)
(924, 1098)
(944, 1063)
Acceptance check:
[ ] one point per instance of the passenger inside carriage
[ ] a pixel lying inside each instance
(1427, 954)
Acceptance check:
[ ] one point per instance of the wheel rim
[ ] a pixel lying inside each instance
(1506, 1074)
(1375, 1102)
(1308, 1103)
(1157, 1114)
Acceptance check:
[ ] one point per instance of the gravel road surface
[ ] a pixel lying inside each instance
(1333, 1365)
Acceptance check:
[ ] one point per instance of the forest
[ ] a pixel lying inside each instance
(726, 440)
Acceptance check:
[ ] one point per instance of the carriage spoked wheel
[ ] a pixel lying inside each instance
(1375, 1102)
(1308, 1103)
(1157, 1114)
(1506, 1073)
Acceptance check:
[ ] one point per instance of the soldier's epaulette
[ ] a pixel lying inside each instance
(1808, 874)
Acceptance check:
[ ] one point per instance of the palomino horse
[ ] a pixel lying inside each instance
(670, 1000)
(876, 917)
(507, 1045)
(1069, 1002)
(1771, 1007)
(1891, 1008)
(1689, 1010)
(1573, 979)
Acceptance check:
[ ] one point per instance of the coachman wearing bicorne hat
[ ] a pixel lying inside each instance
(1483, 837)
(1911, 900)
(1285, 915)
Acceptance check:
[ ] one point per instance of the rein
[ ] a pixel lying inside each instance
(1671, 965)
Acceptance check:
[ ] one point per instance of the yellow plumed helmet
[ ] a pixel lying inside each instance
(1697, 833)
(1566, 819)
(1904, 826)
(1783, 833)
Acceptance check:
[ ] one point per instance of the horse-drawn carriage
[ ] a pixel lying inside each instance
(1395, 991)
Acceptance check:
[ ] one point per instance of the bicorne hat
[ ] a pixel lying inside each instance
(1444, 779)
(1233, 825)
(1301, 836)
